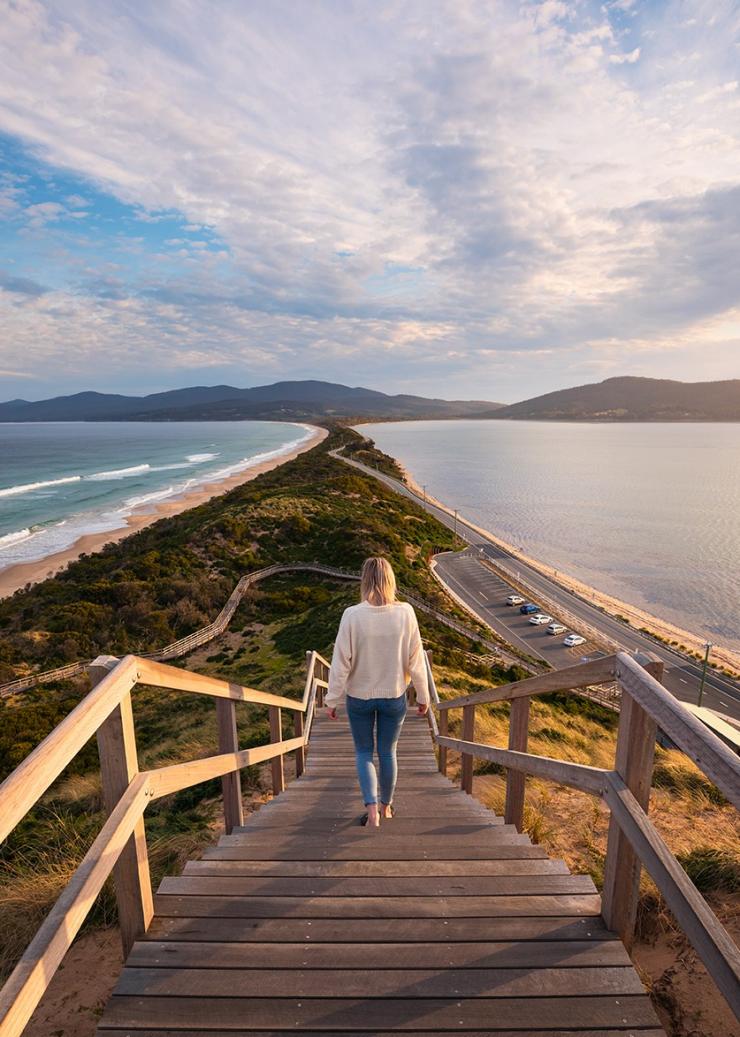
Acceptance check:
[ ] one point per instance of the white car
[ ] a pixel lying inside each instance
(515, 599)
(556, 628)
(574, 639)
(539, 618)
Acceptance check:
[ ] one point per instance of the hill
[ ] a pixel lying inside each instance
(632, 399)
(295, 401)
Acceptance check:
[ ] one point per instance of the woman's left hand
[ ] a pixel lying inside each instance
(331, 712)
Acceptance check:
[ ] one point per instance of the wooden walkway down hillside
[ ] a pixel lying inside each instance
(443, 920)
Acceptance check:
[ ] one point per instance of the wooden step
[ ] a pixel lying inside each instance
(446, 931)
(382, 887)
(370, 1015)
(505, 906)
(291, 823)
(530, 954)
(298, 850)
(448, 982)
(432, 869)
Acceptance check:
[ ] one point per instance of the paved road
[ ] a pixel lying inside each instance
(484, 592)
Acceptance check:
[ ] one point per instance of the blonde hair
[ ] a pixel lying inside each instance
(377, 582)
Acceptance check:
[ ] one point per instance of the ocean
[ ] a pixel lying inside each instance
(649, 513)
(62, 480)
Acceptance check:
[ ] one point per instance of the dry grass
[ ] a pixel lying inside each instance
(693, 817)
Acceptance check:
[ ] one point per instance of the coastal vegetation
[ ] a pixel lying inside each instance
(172, 577)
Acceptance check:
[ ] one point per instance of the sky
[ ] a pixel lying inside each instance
(465, 199)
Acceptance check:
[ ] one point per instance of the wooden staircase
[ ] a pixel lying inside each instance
(445, 919)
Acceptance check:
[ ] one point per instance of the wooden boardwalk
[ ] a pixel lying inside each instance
(443, 920)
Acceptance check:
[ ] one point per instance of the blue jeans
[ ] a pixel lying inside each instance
(389, 714)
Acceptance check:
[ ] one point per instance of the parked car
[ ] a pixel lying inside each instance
(539, 618)
(556, 628)
(515, 599)
(574, 639)
(529, 608)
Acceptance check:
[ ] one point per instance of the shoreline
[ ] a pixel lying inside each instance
(17, 576)
(665, 631)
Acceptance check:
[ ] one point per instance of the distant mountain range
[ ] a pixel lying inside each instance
(616, 399)
(289, 401)
(632, 399)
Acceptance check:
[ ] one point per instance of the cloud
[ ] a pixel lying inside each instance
(21, 285)
(41, 213)
(625, 59)
(371, 189)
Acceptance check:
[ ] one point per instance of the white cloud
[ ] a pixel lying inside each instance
(432, 189)
(625, 59)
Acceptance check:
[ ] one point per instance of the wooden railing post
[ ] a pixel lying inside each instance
(319, 672)
(468, 735)
(300, 753)
(276, 735)
(635, 757)
(231, 785)
(516, 780)
(444, 730)
(118, 766)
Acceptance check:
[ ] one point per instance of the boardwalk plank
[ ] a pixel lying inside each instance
(433, 869)
(453, 826)
(635, 1031)
(563, 954)
(407, 983)
(394, 1014)
(445, 931)
(274, 850)
(376, 907)
(368, 886)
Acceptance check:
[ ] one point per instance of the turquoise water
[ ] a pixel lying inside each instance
(649, 513)
(62, 480)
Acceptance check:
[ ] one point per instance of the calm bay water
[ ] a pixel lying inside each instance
(649, 513)
(61, 480)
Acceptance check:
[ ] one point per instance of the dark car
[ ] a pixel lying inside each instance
(529, 608)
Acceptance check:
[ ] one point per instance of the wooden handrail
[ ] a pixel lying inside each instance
(172, 678)
(633, 839)
(575, 775)
(32, 975)
(109, 702)
(30, 780)
(708, 752)
(598, 671)
(178, 776)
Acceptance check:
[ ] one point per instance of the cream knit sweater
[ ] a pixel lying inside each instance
(377, 651)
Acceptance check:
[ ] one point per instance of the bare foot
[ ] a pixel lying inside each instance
(386, 810)
(373, 817)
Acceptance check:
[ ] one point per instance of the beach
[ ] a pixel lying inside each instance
(17, 576)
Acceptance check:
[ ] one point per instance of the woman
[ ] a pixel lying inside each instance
(377, 650)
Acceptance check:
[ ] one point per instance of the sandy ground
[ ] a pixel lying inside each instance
(723, 657)
(17, 576)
